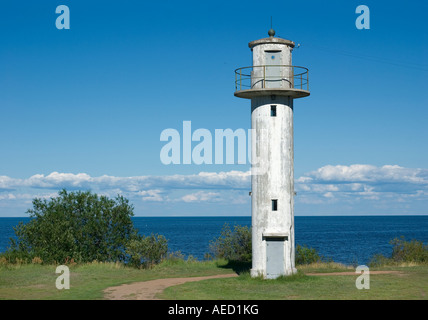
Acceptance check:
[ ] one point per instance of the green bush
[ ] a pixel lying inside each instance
(144, 252)
(379, 260)
(409, 251)
(403, 251)
(82, 227)
(232, 245)
(305, 255)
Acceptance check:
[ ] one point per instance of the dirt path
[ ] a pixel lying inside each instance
(148, 290)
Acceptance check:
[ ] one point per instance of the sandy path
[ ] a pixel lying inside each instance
(147, 290)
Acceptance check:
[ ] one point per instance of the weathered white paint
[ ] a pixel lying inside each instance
(273, 147)
(259, 58)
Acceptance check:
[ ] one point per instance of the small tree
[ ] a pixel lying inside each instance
(75, 225)
(403, 251)
(306, 255)
(409, 251)
(233, 245)
(144, 252)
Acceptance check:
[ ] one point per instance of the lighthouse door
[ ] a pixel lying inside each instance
(274, 257)
(273, 69)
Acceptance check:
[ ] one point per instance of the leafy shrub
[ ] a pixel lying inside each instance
(14, 256)
(403, 251)
(36, 260)
(3, 261)
(75, 226)
(175, 256)
(409, 251)
(379, 260)
(305, 255)
(233, 245)
(144, 252)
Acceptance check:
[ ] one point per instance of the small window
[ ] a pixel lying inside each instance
(273, 111)
(274, 205)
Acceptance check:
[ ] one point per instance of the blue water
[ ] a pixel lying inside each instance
(349, 240)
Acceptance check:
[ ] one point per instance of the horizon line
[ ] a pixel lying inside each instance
(249, 216)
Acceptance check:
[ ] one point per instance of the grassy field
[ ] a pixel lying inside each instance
(410, 283)
(32, 281)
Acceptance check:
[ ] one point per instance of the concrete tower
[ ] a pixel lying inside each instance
(272, 84)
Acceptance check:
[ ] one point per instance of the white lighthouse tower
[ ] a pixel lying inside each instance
(272, 83)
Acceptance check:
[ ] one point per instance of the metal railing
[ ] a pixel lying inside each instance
(272, 76)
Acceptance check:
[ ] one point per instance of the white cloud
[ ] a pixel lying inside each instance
(201, 196)
(364, 182)
(8, 196)
(328, 195)
(55, 180)
(327, 185)
(367, 173)
(138, 188)
(151, 195)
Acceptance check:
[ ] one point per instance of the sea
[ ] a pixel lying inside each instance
(351, 240)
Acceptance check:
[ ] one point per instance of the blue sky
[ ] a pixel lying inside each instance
(84, 108)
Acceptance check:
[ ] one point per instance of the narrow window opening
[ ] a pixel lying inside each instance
(273, 110)
(274, 205)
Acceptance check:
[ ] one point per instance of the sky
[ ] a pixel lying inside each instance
(84, 108)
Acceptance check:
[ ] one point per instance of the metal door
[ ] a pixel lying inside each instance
(275, 265)
(273, 69)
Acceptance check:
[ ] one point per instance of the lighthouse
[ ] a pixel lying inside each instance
(272, 84)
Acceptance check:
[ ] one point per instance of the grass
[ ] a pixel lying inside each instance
(411, 283)
(35, 281)
(87, 281)
(325, 267)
